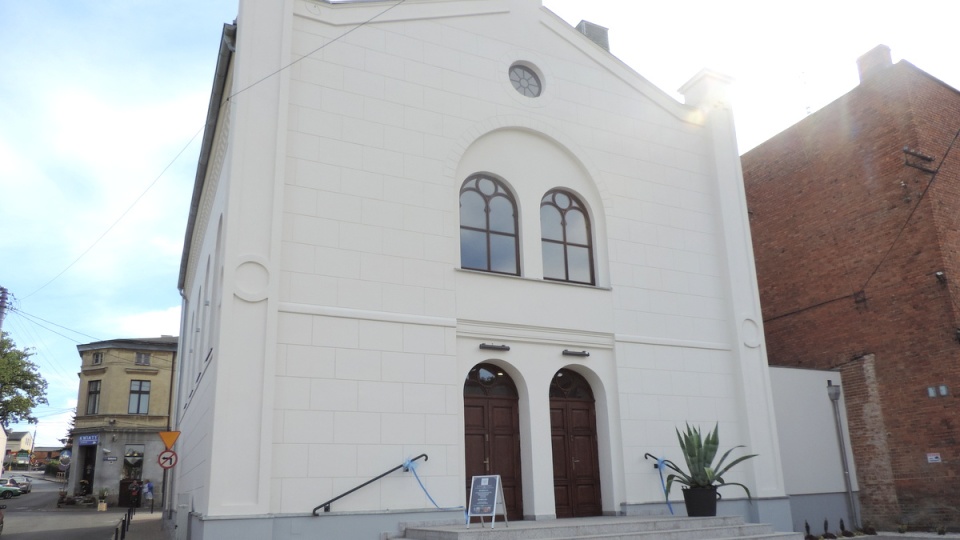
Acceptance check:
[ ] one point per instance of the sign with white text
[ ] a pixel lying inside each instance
(486, 494)
(88, 440)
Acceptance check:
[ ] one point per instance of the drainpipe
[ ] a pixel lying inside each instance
(834, 393)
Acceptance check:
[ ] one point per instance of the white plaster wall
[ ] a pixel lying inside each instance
(385, 124)
(812, 462)
(370, 329)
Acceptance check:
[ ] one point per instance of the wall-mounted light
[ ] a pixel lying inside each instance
(567, 352)
(938, 391)
(493, 347)
(956, 333)
(941, 277)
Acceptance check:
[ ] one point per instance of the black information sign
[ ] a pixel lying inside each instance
(486, 494)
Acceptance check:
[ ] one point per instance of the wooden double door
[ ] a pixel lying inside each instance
(573, 430)
(491, 417)
(492, 439)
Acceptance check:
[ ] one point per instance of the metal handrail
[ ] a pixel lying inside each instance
(405, 466)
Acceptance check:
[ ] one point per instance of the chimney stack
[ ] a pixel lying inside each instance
(874, 61)
(596, 33)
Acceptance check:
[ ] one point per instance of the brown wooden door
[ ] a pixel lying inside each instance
(576, 465)
(492, 433)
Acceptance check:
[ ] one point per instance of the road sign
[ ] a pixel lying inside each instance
(167, 459)
(169, 437)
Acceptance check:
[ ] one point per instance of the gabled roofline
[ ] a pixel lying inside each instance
(900, 65)
(165, 343)
(227, 48)
(619, 68)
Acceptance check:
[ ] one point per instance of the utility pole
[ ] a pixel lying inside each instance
(3, 305)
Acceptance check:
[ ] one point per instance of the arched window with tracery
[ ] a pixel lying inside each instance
(566, 238)
(488, 226)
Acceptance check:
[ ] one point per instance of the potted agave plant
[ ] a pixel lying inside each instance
(702, 477)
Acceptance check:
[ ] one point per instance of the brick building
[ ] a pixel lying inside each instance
(854, 213)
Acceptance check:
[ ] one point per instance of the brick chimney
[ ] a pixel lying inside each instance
(874, 61)
(596, 33)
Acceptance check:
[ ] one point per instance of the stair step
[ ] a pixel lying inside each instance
(607, 528)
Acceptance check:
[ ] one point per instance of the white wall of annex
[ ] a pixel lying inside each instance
(809, 443)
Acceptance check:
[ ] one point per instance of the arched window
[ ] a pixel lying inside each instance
(566, 238)
(488, 227)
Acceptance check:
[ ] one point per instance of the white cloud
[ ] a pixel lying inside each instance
(149, 324)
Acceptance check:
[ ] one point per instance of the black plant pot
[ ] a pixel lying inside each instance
(701, 502)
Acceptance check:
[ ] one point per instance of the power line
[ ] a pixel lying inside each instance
(311, 53)
(182, 150)
(25, 314)
(913, 210)
(123, 215)
(893, 244)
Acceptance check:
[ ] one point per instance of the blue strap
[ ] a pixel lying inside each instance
(663, 484)
(412, 467)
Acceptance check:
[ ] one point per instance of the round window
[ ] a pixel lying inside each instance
(525, 81)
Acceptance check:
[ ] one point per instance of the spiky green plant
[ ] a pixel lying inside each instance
(699, 453)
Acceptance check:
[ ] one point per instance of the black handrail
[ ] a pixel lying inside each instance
(405, 466)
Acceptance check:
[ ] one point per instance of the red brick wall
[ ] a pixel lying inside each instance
(841, 277)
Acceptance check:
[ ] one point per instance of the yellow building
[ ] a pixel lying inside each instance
(19, 444)
(122, 403)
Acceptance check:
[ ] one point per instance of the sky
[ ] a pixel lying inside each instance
(102, 103)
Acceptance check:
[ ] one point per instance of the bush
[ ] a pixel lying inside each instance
(52, 468)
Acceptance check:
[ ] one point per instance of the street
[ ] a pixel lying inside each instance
(35, 516)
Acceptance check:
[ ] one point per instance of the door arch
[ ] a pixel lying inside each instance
(491, 419)
(573, 430)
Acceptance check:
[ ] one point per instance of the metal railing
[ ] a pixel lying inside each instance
(405, 466)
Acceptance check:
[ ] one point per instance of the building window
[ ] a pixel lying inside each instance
(97, 358)
(525, 81)
(566, 238)
(139, 397)
(93, 397)
(143, 359)
(133, 461)
(488, 227)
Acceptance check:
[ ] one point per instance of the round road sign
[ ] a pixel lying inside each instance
(167, 459)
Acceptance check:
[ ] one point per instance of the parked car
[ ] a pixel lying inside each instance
(25, 483)
(9, 491)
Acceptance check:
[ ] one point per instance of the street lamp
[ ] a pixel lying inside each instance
(833, 392)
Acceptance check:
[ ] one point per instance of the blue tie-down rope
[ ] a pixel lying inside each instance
(412, 467)
(663, 485)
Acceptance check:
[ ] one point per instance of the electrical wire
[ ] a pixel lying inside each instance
(182, 150)
(311, 53)
(25, 314)
(123, 215)
(893, 243)
(912, 211)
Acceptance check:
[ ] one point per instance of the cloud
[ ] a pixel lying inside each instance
(150, 323)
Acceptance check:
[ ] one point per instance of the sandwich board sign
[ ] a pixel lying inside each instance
(486, 494)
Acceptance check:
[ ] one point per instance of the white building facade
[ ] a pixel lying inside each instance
(457, 228)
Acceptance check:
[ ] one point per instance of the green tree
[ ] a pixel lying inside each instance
(21, 386)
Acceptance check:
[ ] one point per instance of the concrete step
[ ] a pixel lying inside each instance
(606, 528)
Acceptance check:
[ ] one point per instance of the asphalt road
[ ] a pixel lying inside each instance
(35, 516)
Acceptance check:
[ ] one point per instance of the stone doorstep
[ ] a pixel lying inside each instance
(608, 528)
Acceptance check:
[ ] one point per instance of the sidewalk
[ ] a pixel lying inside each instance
(147, 526)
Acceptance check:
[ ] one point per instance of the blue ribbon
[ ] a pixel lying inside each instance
(412, 467)
(663, 484)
